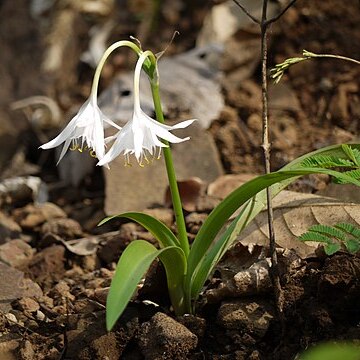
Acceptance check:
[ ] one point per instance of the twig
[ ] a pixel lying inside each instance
(281, 13)
(278, 71)
(253, 18)
(264, 24)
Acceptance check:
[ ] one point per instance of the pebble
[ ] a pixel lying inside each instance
(164, 338)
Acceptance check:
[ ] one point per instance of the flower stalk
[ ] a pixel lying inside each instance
(174, 190)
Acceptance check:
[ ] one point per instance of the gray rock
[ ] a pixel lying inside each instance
(9, 229)
(16, 253)
(65, 228)
(14, 286)
(135, 188)
(9, 349)
(32, 216)
(248, 316)
(164, 338)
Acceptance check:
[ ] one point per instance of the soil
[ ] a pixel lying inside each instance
(58, 312)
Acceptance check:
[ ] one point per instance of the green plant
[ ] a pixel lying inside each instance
(334, 238)
(332, 351)
(187, 268)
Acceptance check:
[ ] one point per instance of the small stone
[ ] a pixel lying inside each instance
(27, 351)
(11, 317)
(116, 241)
(195, 324)
(14, 286)
(62, 290)
(9, 349)
(16, 253)
(9, 229)
(166, 216)
(67, 229)
(28, 304)
(48, 265)
(40, 315)
(245, 315)
(164, 338)
(31, 216)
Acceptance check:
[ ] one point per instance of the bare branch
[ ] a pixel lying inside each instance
(253, 18)
(281, 13)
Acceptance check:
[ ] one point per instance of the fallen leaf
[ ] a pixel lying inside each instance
(82, 247)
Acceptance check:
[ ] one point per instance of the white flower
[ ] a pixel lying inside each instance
(84, 132)
(140, 136)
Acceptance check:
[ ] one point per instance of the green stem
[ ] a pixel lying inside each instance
(175, 195)
(109, 50)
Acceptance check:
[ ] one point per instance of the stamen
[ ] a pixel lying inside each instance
(158, 157)
(92, 153)
(146, 159)
(74, 145)
(127, 161)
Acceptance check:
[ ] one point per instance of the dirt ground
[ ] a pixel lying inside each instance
(59, 310)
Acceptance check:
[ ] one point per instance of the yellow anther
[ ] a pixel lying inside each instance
(92, 153)
(74, 146)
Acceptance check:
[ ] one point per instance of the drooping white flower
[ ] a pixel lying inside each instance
(84, 132)
(140, 136)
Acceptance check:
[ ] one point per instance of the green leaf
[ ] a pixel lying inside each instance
(352, 153)
(328, 230)
(315, 236)
(350, 229)
(329, 351)
(332, 248)
(352, 245)
(132, 266)
(158, 229)
(218, 217)
(327, 162)
(201, 264)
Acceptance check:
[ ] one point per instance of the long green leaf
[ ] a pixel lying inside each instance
(223, 211)
(133, 264)
(247, 214)
(158, 229)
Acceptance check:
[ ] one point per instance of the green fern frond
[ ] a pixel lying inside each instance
(328, 231)
(350, 229)
(315, 236)
(355, 174)
(334, 237)
(353, 154)
(326, 161)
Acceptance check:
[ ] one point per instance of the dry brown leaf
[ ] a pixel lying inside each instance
(294, 214)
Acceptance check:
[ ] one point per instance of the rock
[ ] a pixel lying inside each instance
(225, 184)
(65, 228)
(27, 351)
(21, 190)
(16, 253)
(194, 221)
(28, 304)
(190, 191)
(48, 265)
(245, 316)
(32, 215)
(197, 157)
(89, 339)
(116, 241)
(164, 338)
(14, 286)
(195, 324)
(9, 349)
(166, 216)
(9, 229)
